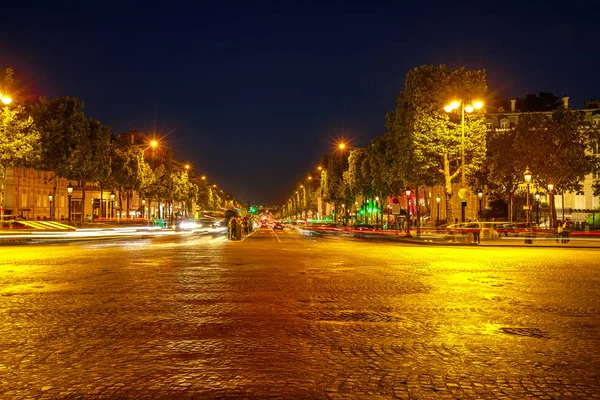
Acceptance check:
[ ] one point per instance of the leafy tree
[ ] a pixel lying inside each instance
(558, 149)
(429, 139)
(61, 123)
(354, 179)
(19, 143)
(89, 160)
(503, 172)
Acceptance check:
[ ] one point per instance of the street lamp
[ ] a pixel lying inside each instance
(112, 205)
(69, 194)
(377, 212)
(144, 208)
(537, 209)
(527, 176)
(551, 201)
(475, 105)
(480, 197)
(408, 213)
(50, 197)
(437, 200)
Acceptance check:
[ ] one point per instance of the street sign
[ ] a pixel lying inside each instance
(395, 200)
(526, 208)
(395, 209)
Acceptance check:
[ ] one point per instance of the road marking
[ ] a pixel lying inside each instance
(277, 236)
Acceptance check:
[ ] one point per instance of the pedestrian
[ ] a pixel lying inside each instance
(238, 228)
(245, 226)
(231, 225)
(565, 231)
(476, 232)
(559, 230)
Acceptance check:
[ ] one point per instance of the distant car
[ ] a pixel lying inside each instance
(278, 225)
(187, 225)
(209, 223)
(511, 229)
(361, 229)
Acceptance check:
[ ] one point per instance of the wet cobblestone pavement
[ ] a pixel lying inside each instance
(286, 316)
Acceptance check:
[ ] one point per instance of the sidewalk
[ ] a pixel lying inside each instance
(579, 240)
(576, 240)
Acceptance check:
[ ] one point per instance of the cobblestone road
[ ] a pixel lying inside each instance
(286, 316)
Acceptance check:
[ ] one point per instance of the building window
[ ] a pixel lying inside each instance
(595, 202)
(504, 124)
(24, 199)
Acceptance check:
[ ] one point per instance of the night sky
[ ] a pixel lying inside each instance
(252, 94)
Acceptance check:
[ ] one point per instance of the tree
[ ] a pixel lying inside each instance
(558, 149)
(19, 144)
(503, 171)
(89, 160)
(429, 139)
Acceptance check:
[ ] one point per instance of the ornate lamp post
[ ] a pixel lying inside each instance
(408, 213)
(69, 194)
(551, 201)
(50, 198)
(112, 204)
(437, 200)
(527, 176)
(376, 212)
(537, 209)
(469, 108)
(480, 197)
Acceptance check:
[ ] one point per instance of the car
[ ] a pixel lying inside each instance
(511, 229)
(463, 232)
(361, 229)
(278, 225)
(209, 222)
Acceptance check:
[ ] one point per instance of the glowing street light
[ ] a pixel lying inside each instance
(454, 105)
(69, 194)
(527, 177)
(50, 198)
(5, 99)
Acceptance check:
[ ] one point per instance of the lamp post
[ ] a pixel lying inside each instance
(50, 197)
(537, 209)
(551, 201)
(480, 197)
(437, 200)
(469, 108)
(527, 176)
(376, 212)
(112, 204)
(69, 194)
(408, 235)
(144, 208)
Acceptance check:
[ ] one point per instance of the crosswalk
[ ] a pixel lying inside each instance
(46, 225)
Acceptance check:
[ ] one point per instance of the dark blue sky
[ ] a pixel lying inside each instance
(254, 93)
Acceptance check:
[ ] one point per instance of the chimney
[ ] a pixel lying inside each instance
(565, 100)
(513, 104)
